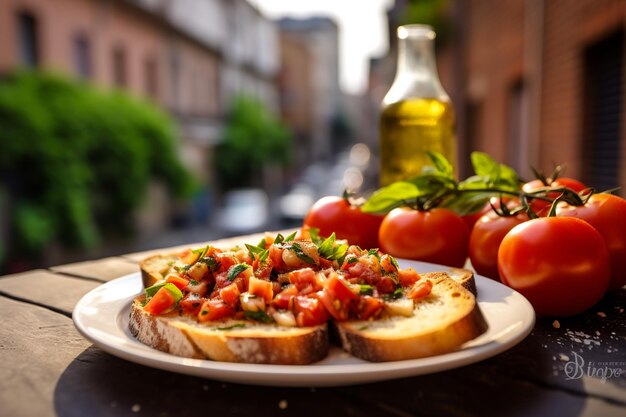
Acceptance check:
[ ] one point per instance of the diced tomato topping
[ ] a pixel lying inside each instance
(336, 308)
(214, 309)
(261, 288)
(420, 289)
(200, 288)
(386, 263)
(191, 303)
(262, 269)
(160, 301)
(385, 285)
(408, 277)
(367, 307)
(305, 280)
(284, 299)
(226, 261)
(363, 269)
(230, 294)
(325, 263)
(177, 280)
(188, 256)
(276, 257)
(309, 311)
(339, 288)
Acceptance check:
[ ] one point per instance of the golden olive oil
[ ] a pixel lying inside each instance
(409, 129)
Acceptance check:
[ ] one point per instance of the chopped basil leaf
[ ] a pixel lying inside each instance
(201, 251)
(211, 262)
(173, 289)
(235, 270)
(314, 232)
(279, 239)
(366, 289)
(301, 255)
(261, 316)
(330, 250)
(234, 326)
(394, 295)
(193, 282)
(204, 312)
(257, 250)
(364, 327)
(394, 262)
(150, 291)
(374, 252)
(352, 260)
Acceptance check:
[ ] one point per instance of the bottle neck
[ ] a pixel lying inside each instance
(416, 73)
(416, 57)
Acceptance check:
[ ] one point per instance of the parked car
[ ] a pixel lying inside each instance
(244, 210)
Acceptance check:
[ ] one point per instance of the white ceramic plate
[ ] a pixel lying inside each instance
(102, 317)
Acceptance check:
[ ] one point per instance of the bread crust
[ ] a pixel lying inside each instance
(153, 267)
(401, 338)
(465, 277)
(254, 343)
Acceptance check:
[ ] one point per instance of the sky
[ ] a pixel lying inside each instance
(362, 31)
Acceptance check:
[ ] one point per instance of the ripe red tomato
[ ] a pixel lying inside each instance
(335, 214)
(485, 240)
(538, 205)
(471, 219)
(560, 264)
(438, 235)
(607, 214)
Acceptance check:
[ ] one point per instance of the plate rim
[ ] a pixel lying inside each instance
(316, 374)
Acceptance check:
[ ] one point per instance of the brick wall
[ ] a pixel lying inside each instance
(543, 44)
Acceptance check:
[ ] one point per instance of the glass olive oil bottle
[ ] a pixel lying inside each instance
(416, 114)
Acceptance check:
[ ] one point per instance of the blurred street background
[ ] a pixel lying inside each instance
(135, 124)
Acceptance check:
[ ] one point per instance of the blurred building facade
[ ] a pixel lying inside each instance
(533, 83)
(189, 56)
(309, 84)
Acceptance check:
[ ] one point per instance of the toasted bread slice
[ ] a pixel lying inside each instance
(465, 277)
(154, 268)
(441, 323)
(230, 340)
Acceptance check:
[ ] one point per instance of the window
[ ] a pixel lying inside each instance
(119, 67)
(601, 112)
(82, 56)
(28, 37)
(151, 76)
(517, 149)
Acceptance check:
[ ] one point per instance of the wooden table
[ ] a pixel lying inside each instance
(47, 368)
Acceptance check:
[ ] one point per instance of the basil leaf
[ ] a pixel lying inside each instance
(235, 270)
(366, 289)
(394, 195)
(394, 295)
(261, 316)
(330, 250)
(173, 289)
(314, 232)
(301, 255)
(150, 291)
(442, 165)
(211, 262)
(484, 165)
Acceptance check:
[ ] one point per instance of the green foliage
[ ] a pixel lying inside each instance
(76, 161)
(429, 12)
(252, 137)
(437, 187)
